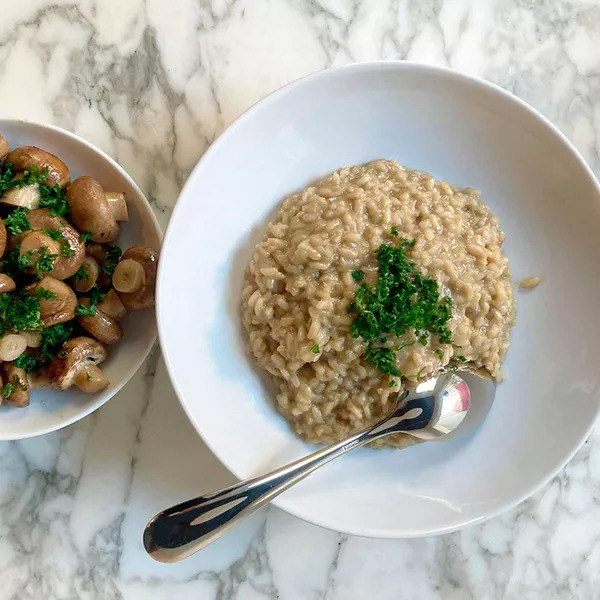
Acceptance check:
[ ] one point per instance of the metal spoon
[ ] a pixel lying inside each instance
(434, 409)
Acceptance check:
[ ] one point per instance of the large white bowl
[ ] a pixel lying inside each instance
(49, 409)
(462, 130)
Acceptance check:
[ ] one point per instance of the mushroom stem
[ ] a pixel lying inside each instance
(112, 306)
(118, 205)
(12, 346)
(129, 276)
(27, 196)
(90, 379)
(33, 338)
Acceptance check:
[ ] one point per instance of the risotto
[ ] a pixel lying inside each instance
(301, 287)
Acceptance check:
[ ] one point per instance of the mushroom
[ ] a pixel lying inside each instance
(98, 252)
(87, 275)
(23, 383)
(129, 276)
(143, 296)
(2, 238)
(12, 345)
(26, 157)
(33, 338)
(90, 210)
(77, 365)
(67, 263)
(112, 306)
(60, 307)
(7, 283)
(4, 147)
(27, 196)
(37, 245)
(118, 205)
(100, 325)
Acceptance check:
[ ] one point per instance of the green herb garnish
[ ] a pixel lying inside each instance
(44, 294)
(19, 312)
(81, 273)
(403, 300)
(358, 275)
(461, 359)
(17, 222)
(315, 349)
(54, 199)
(440, 353)
(27, 362)
(85, 311)
(88, 377)
(112, 255)
(53, 234)
(394, 231)
(54, 337)
(45, 260)
(392, 383)
(85, 237)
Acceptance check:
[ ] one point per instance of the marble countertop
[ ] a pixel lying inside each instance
(153, 83)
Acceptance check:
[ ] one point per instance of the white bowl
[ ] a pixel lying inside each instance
(51, 410)
(464, 131)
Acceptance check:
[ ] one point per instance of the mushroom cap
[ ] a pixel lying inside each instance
(58, 310)
(90, 275)
(2, 238)
(144, 297)
(4, 147)
(25, 157)
(17, 376)
(7, 283)
(76, 354)
(100, 325)
(90, 210)
(64, 266)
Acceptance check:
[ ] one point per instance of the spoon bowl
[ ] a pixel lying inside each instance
(434, 409)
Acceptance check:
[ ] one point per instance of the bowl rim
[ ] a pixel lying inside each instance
(114, 390)
(276, 95)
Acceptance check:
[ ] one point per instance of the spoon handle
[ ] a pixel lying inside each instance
(181, 530)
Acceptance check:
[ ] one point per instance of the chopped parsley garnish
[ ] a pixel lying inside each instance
(53, 338)
(81, 273)
(315, 349)
(53, 234)
(27, 362)
(85, 237)
(8, 390)
(9, 179)
(112, 255)
(95, 295)
(54, 199)
(66, 250)
(17, 221)
(392, 383)
(45, 260)
(45, 294)
(88, 377)
(402, 301)
(85, 311)
(461, 359)
(440, 353)
(394, 231)
(19, 312)
(358, 275)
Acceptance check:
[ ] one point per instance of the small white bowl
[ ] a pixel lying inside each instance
(51, 410)
(464, 131)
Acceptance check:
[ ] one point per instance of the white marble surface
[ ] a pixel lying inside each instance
(153, 82)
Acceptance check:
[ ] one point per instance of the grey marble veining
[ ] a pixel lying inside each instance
(153, 83)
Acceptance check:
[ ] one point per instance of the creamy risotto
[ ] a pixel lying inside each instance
(299, 301)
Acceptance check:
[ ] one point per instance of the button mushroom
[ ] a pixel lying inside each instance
(26, 196)
(25, 158)
(4, 147)
(128, 277)
(76, 364)
(118, 205)
(2, 238)
(42, 251)
(87, 275)
(21, 383)
(12, 345)
(112, 306)
(33, 338)
(7, 283)
(71, 253)
(99, 324)
(90, 210)
(57, 301)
